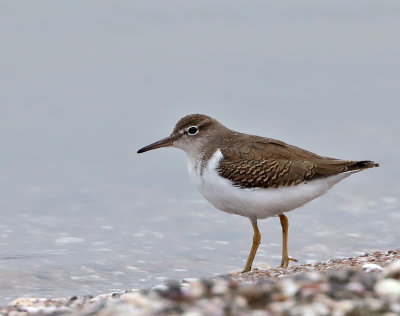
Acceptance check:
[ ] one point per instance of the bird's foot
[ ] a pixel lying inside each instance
(285, 261)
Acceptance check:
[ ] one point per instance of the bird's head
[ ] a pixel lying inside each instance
(190, 134)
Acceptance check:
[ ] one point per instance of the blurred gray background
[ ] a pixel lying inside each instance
(85, 84)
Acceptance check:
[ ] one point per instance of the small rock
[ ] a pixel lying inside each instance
(188, 280)
(117, 310)
(263, 266)
(388, 287)
(288, 287)
(195, 290)
(395, 307)
(251, 293)
(25, 301)
(220, 287)
(160, 288)
(173, 292)
(393, 270)
(338, 276)
(343, 307)
(370, 267)
(374, 304)
(319, 308)
(136, 299)
(355, 287)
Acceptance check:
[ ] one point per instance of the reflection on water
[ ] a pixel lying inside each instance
(81, 213)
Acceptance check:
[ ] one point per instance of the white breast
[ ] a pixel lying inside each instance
(256, 202)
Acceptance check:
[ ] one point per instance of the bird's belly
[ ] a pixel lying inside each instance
(256, 202)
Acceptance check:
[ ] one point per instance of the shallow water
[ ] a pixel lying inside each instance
(82, 90)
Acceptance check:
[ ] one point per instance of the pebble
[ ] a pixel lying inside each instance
(289, 287)
(393, 270)
(388, 288)
(370, 267)
(136, 299)
(160, 288)
(354, 286)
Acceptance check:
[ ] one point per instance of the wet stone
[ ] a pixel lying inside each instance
(329, 288)
(388, 288)
(370, 267)
(393, 270)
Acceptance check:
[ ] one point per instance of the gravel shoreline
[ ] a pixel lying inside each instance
(364, 285)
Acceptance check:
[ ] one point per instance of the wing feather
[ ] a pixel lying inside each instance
(268, 163)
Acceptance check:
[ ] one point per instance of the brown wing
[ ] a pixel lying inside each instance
(268, 163)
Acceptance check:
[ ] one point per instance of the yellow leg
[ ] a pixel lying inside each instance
(254, 247)
(285, 230)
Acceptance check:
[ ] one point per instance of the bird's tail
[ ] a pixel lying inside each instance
(364, 164)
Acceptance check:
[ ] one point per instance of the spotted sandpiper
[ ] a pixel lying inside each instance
(253, 176)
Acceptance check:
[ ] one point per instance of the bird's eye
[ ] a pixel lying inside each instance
(193, 130)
